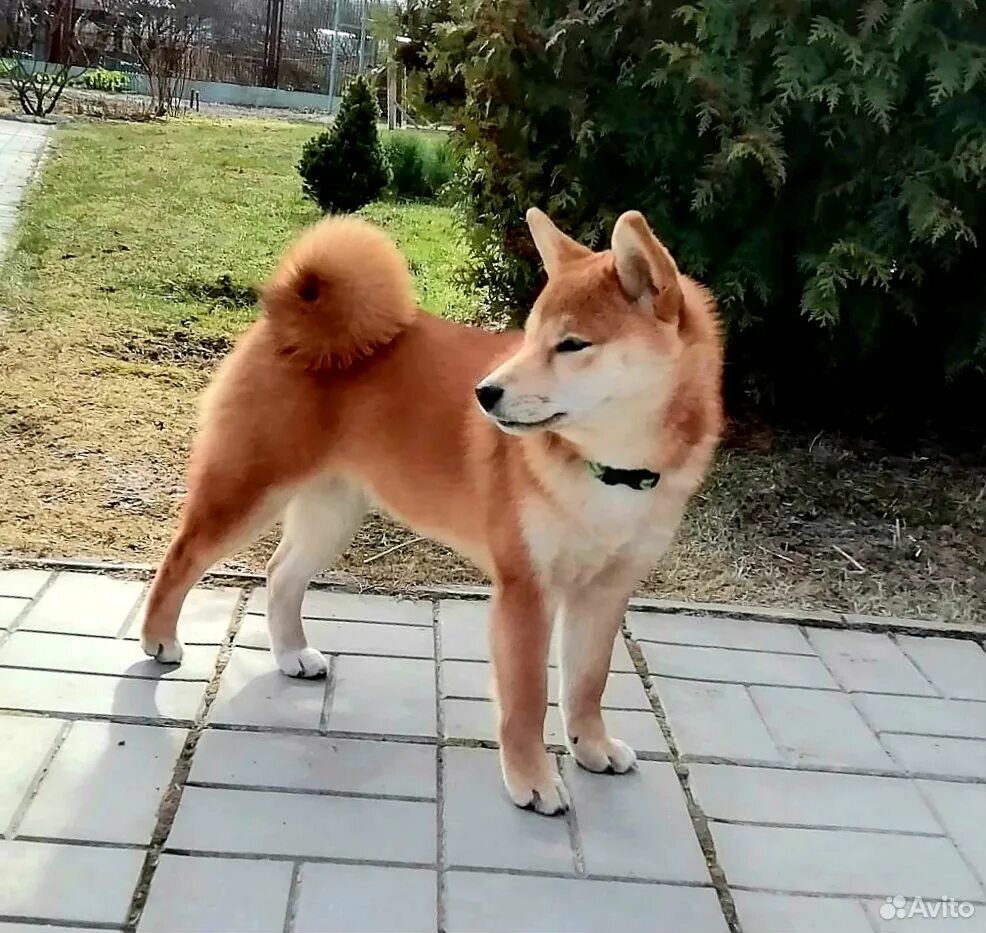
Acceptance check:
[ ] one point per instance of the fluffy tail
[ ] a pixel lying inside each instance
(340, 291)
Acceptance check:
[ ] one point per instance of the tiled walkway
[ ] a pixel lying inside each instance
(21, 145)
(797, 775)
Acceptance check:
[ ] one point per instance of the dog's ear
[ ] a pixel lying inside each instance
(646, 271)
(553, 245)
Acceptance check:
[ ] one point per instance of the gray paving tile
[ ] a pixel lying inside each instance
(303, 825)
(476, 720)
(841, 862)
(253, 692)
(788, 913)
(305, 762)
(84, 604)
(463, 629)
(86, 655)
(384, 696)
(962, 809)
(738, 667)
(32, 927)
(868, 661)
(819, 728)
(25, 741)
(810, 798)
(717, 720)
(638, 729)
(205, 616)
(78, 884)
(617, 816)
(471, 680)
(45, 691)
(366, 899)
(105, 784)
(621, 662)
(524, 904)
(718, 633)
(325, 604)
(10, 608)
(938, 756)
(205, 895)
(956, 666)
(739, 610)
(484, 829)
(464, 635)
(332, 637)
(23, 583)
(10, 195)
(923, 715)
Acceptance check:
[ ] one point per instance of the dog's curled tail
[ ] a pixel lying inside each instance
(340, 291)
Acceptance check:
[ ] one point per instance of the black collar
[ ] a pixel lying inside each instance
(613, 476)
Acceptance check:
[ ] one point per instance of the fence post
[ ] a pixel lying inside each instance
(335, 52)
(391, 93)
(364, 6)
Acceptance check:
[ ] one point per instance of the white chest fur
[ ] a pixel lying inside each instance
(587, 526)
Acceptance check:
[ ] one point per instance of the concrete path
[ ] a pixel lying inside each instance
(793, 778)
(21, 146)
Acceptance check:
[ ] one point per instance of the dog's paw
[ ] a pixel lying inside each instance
(164, 652)
(306, 663)
(607, 754)
(545, 794)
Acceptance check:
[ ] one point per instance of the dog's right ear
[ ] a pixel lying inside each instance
(554, 246)
(646, 271)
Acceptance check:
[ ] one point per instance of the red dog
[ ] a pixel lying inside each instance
(559, 460)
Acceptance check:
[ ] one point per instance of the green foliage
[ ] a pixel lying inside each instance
(422, 22)
(422, 165)
(821, 165)
(345, 168)
(103, 79)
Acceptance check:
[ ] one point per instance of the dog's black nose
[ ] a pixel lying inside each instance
(488, 395)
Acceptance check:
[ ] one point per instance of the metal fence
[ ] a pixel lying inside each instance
(300, 45)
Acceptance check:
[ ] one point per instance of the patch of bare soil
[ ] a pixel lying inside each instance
(169, 345)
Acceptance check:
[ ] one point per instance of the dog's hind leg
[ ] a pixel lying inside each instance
(212, 525)
(319, 522)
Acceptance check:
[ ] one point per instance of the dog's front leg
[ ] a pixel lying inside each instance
(590, 620)
(520, 631)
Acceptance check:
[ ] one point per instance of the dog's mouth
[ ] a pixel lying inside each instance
(526, 427)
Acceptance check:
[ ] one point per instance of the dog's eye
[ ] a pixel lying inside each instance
(571, 345)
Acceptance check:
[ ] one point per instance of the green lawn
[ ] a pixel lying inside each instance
(153, 213)
(138, 250)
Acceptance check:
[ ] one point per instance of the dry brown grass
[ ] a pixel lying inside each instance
(118, 311)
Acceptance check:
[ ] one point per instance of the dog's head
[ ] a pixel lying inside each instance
(602, 338)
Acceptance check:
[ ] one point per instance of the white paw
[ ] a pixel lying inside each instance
(307, 663)
(607, 755)
(546, 794)
(164, 652)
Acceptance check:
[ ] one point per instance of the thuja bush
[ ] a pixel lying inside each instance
(821, 165)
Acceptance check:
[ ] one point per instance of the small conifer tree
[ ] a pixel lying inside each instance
(345, 168)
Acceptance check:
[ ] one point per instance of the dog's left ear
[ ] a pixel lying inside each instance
(646, 271)
(554, 246)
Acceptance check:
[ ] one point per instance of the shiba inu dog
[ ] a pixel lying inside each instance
(558, 459)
